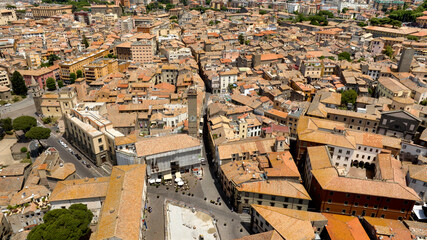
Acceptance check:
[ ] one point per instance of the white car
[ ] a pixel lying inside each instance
(8, 105)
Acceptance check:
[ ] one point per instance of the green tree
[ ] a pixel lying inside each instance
(241, 39)
(262, 12)
(388, 51)
(24, 123)
(348, 96)
(344, 56)
(173, 17)
(73, 77)
(169, 6)
(71, 224)
(85, 41)
(362, 24)
(424, 102)
(6, 124)
(414, 38)
(344, 10)
(79, 74)
(318, 20)
(38, 133)
(325, 13)
(50, 84)
(52, 58)
(18, 84)
(60, 83)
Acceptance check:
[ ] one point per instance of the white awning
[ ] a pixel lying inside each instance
(158, 180)
(167, 177)
(152, 181)
(178, 175)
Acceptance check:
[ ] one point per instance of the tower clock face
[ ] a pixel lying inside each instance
(193, 118)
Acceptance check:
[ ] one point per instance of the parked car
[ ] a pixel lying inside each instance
(78, 156)
(88, 165)
(84, 162)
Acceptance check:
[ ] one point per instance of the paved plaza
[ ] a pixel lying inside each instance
(188, 223)
(230, 225)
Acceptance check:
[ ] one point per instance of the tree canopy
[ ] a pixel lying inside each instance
(79, 74)
(52, 58)
(344, 56)
(349, 96)
(326, 13)
(382, 21)
(72, 224)
(18, 84)
(388, 51)
(24, 123)
(50, 84)
(169, 6)
(319, 19)
(85, 41)
(6, 124)
(38, 133)
(73, 77)
(60, 83)
(241, 39)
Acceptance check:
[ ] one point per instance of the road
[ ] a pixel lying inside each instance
(24, 107)
(81, 170)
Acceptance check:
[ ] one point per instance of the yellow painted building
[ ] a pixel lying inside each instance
(33, 60)
(50, 11)
(100, 68)
(50, 106)
(54, 105)
(92, 133)
(68, 67)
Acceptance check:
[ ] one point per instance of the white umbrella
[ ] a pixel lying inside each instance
(180, 183)
(178, 179)
(152, 181)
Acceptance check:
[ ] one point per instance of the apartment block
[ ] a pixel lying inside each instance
(4, 79)
(169, 154)
(142, 52)
(347, 147)
(71, 66)
(100, 68)
(7, 16)
(47, 11)
(334, 191)
(90, 132)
